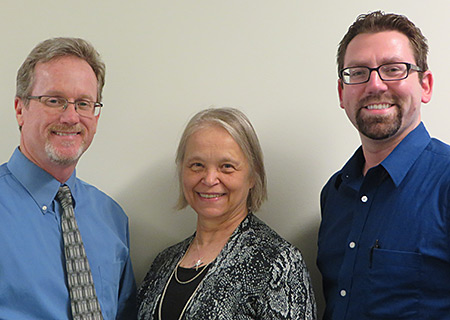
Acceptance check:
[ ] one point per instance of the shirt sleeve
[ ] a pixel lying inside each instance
(289, 293)
(127, 305)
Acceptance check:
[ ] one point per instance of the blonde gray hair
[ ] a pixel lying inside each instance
(242, 131)
(55, 48)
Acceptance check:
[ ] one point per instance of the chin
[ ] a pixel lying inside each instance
(63, 158)
(209, 213)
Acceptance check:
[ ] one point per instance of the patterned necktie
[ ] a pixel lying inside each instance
(83, 299)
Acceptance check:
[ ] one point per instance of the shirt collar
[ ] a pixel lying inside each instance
(402, 158)
(351, 173)
(41, 185)
(397, 164)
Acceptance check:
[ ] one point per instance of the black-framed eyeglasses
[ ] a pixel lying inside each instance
(387, 72)
(84, 108)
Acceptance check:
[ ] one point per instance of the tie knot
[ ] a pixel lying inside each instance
(64, 196)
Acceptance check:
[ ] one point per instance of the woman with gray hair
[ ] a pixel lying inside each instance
(234, 266)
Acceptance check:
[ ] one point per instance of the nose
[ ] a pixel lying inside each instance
(211, 178)
(375, 84)
(70, 115)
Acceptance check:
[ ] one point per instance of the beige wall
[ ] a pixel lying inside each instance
(166, 60)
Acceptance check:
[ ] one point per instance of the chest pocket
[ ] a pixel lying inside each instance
(393, 285)
(108, 293)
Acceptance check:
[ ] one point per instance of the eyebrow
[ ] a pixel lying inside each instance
(358, 63)
(55, 93)
(224, 159)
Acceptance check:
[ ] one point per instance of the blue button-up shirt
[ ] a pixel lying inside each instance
(32, 264)
(384, 238)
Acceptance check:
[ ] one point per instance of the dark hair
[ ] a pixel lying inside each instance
(379, 21)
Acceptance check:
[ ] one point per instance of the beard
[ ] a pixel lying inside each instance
(379, 127)
(60, 158)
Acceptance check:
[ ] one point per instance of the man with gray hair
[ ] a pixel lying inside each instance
(65, 244)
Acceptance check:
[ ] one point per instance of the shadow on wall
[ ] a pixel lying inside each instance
(307, 243)
(154, 223)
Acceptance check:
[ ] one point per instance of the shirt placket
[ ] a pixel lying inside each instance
(363, 201)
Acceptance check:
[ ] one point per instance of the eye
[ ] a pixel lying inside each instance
(393, 70)
(54, 101)
(228, 168)
(357, 72)
(196, 166)
(83, 104)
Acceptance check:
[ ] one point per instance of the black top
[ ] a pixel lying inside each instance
(257, 275)
(177, 294)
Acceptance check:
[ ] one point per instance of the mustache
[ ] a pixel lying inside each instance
(379, 98)
(64, 128)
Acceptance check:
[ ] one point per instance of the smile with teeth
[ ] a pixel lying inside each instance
(210, 195)
(65, 133)
(378, 106)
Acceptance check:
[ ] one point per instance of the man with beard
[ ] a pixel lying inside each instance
(44, 272)
(384, 236)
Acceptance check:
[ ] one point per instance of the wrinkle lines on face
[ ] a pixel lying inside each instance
(215, 175)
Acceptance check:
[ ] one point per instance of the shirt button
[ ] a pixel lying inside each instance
(352, 245)
(44, 208)
(364, 198)
(343, 293)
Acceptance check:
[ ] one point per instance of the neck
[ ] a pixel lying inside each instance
(375, 151)
(62, 175)
(210, 238)
(210, 231)
(60, 172)
(374, 157)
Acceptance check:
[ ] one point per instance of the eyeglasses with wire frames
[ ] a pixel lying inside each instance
(83, 107)
(387, 72)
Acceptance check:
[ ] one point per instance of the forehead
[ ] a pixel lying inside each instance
(65, 75)
(212, 139)
(208, 136)
(372, 49)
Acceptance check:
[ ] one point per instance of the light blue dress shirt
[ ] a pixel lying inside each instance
(32, 264)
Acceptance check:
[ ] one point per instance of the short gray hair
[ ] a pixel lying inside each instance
(55, 48)
(239, 127)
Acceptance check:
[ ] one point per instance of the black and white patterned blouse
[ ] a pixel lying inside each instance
(257, 275)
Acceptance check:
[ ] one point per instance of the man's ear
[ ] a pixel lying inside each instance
(19, 106)
(340, 87)
(427, 86)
